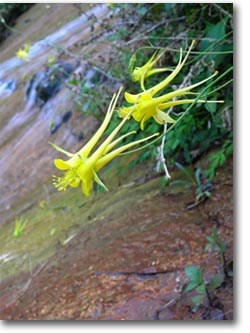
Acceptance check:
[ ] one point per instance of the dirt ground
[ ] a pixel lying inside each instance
(132, 267)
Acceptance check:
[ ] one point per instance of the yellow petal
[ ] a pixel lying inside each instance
(163, 118)
(131, 98)
(183, 91)
(87, 186)
(99, 182)
(144, 119)
(99, 152)
(75, 182)
(85, 151)
(115, 142)
(167, 105)
(124, 111)
(110, 156)
(61, 165)
(134, 98)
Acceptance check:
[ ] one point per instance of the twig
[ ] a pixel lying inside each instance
(160, 157)
(83, 62)
(225, 12)
(152, 28)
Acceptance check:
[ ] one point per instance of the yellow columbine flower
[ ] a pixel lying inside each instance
(149, 93)
(24, 52)
(141, 73)
(51, 60)
(145, 105)
(83, 167)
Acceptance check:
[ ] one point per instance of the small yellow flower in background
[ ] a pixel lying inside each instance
(145, 105)
(83, 167)
(110, 5)
(24, 52)
(139, 74)
(51, 60)
(42, 204)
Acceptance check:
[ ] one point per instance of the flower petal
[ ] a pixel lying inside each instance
(87, 185)
(163, 118)
(61, 149)
(99, 182)
(85, 151)
(75, 182)
(61, 164)
(110, 156)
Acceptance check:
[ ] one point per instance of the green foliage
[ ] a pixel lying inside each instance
(141, 31)
(195, 277)
(197, 284)
(218, 158)
(194, 178)
(203, 187)
(215, 243)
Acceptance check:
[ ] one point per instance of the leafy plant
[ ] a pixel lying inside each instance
(197, 283)
(219, 158)
(202, 185)
(215, 243)
(195, 277)
(19, 226)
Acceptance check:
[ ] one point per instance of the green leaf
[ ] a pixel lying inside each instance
(141, 10)
(216, 282)
(194, 274)
(211, 239)
(201, 289)
(215, 31)
(208, 247)
(190, 286)
(185, 171)
(211, 107)
(169, 7)
(198, 300)
(132, 62)
(112, 37)
(73, 82)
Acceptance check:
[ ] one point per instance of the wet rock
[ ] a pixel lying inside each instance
(46, 84)
(53, 80)
(7, 87)
(60, 119)
(66, 116)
